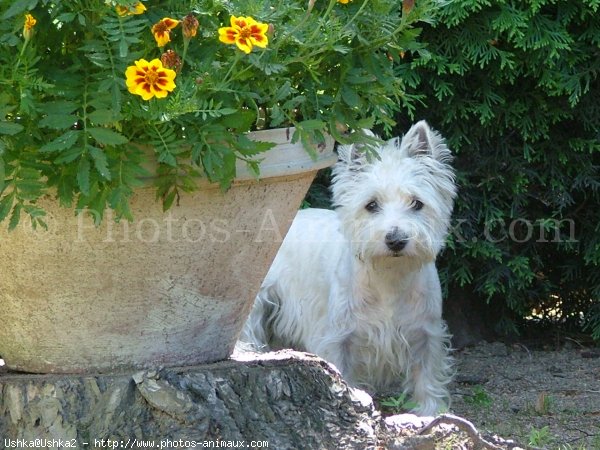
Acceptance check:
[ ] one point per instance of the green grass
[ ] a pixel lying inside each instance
(479, 398)
(540, 437)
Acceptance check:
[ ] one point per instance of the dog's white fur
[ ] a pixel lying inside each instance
(337, 289)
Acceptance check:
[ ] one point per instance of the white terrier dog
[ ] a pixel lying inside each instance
(358, 286)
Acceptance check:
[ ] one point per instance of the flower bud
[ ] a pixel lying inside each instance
(30, 22)
(190, 26)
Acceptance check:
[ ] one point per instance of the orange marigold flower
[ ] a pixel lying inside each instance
(245, 32)
(149, 79)
(138, 8)
(30, 22)
(190, 25)
(162, 30)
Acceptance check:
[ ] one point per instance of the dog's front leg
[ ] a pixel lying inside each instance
(430, 369)
(336, 328)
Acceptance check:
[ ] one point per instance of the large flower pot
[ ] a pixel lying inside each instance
(168, 289)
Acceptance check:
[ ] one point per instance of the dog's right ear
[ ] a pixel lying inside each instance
(352, 163)
(356, 156)
(352, 156)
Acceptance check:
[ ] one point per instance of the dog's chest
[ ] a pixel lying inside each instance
(377, 355)
(384, 323)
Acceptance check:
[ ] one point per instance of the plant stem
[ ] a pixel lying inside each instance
(186, 44)
(233, 64)
(19, 58)
(332, 3)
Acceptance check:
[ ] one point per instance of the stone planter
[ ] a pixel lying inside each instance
(169, 289)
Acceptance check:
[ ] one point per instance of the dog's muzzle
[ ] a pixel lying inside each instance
(395, 240)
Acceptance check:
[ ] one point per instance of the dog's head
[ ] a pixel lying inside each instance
(399, 204)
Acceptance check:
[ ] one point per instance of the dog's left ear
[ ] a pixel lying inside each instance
(417, 141)
(422, 141)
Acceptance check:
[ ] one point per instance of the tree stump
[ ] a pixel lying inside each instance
(283, 400)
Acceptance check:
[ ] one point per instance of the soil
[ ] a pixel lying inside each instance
(535, 397)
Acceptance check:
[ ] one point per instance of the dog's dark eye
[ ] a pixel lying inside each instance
(372, 206)
(416, 205)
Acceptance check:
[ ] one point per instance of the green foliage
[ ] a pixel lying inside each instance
(69, 127)
(479, 397)
(540, 437)
(397, 404)
(593, 323)
(514, 88)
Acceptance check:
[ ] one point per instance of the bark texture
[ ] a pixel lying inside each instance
(290, 400)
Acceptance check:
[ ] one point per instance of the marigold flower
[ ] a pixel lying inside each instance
(162, 30)
(245, 32)
(138, 8)
(190, 25)
(30, 22)
(344, 2)
(150, 79)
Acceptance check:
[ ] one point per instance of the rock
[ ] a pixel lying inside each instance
(290, 400)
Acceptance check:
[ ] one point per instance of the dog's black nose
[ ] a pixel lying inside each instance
(395, 240)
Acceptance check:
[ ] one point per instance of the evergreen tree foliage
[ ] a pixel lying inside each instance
(513, 86)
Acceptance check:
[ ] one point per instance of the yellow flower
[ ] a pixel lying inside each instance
(344, 2)
(245, 32)
(162, 30)
(30, 22)
(138, 8)
(149, 79)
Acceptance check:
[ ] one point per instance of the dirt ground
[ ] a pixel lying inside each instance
(541, 398)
